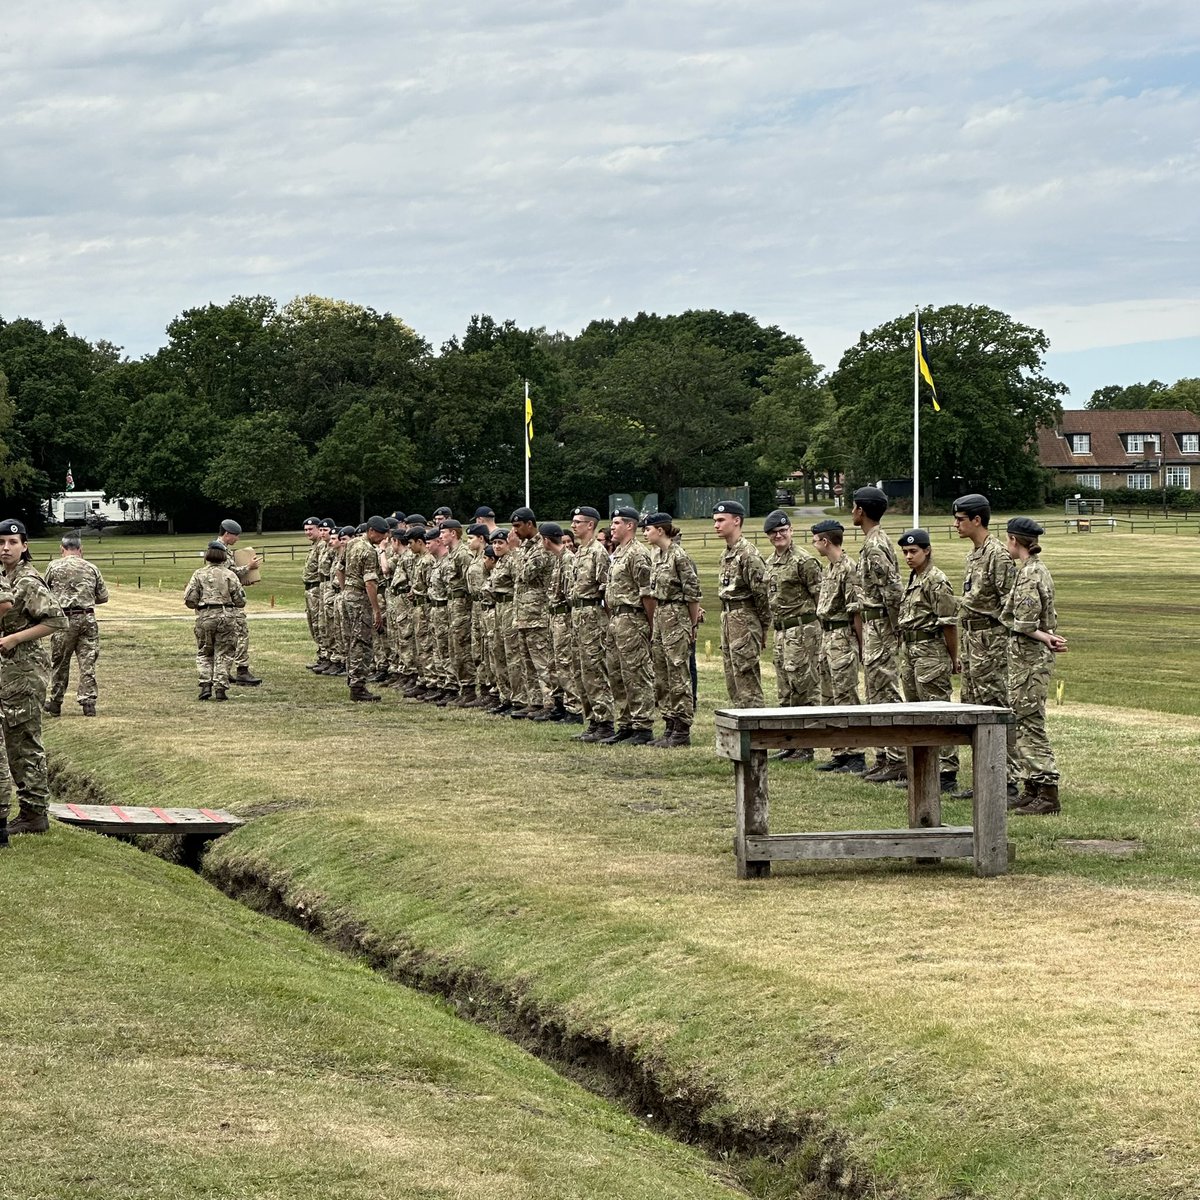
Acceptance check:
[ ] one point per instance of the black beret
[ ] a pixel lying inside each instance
(347, 531)
(328, 523)
(378, 524)
(443, 511)
(659, 518)
(522, 514)
(12, 525)
(488, 552)
(777, 519)
(417, 534)
(628, 512)
(391, 522)
(361, 528)
(228, 526)
(914, 537)
(451, 523)
(499, 535)
(477, 530)
(416, 519)
(215, 544)
(1025, 527)
(397, 532)
(586, 510)
(972, 504)
(483, 511)
(867, 496)
(829, 525)
(733, 507)
(399, 515)
(548, 529)
(309, 522)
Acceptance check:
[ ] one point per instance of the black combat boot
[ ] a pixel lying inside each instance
(358, 691)
(244, 678)
(205, 692)
(600, 731)
(89, 708)
(640, 737)
(681, 735)
(53, 707)
(1044, 804)
(29, 820)
(623, 734)
(218, 692)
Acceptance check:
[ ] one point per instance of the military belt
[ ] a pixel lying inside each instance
(833, 623)
(438, 603)
(76, 611)
(420, 600)
(728, 604)
(199, 606)
(628, 609)
(920, 635)
(872, 613)
(308, 587)
(559, 609)
(674, 600)
(503, 597)
(459, 595)
(978, 622)
(587, 602)
(792, 622)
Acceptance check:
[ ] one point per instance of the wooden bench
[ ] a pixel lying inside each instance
(747, 735)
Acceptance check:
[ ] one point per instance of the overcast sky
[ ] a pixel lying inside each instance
(821, 164)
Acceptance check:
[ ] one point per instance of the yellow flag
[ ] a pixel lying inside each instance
(528, 425)
(924, 367)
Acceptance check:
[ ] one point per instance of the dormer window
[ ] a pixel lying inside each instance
(1189, 443)
(1081, 443)
(1141, 443)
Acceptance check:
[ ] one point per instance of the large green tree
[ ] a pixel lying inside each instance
(1135, 395)
(994, 393)
(365, 456)
(261, 464)
(793, 402)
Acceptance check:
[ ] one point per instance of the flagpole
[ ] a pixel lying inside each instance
(528, 448)
(916, 513)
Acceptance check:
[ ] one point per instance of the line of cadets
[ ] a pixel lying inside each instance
(538, 623)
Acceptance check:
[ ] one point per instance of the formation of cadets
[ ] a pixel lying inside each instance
(598, 628)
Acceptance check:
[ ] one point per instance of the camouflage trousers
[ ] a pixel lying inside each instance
(741, 648)
(881, 674)
(925, 674)
(425, 650)
(509, 679)
(797, 676)
(1030, 664)
(590, 626)
(241, 643)
(458, 621)
(360, 634)
(536, 653)
(439, 624)
(838, 667)
(312, 611)
(381, 645)
(80, 639)
(216, 640)
(671, 652)
(631, 670)
(401, 614)
(334, 626)
(23, 679)
(325, 620)
(483, 644)
(566, 663)
(983, 665)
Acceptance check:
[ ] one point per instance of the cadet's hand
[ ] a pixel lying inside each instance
(1056, 643)
(955, 667)
(7, 644)
(379, 622)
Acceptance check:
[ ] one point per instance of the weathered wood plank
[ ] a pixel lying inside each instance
(934, 712)
(900, 843)
(113, 818)
(751, 812)
(990, 812)
(924, 791)
(831, 735)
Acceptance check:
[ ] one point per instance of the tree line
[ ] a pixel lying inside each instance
(329, 406)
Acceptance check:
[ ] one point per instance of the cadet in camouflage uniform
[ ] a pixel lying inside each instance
(421, 562)
(880, 592)
(445, 685)
(629, 598)
(6, 783)
(982, 639)
(501, 585)
(216, 594)
(567, 703)
(239, 665)
(399, 607)
(311, 578)
(676, 588)
(78, 587)
(793, 586)
(929, 634)
(841, 634)
(1032, 624)
(589, 620)
(24, 675)
(531, 617)
(456, 565)
(360, 599)
(744, 611)
(483, 618)
(327, 664)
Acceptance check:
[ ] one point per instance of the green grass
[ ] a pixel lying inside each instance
(163, 1041)
(1023, 1037)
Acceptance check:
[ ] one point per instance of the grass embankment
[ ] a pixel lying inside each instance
(1035, 1035)
(163, 1041)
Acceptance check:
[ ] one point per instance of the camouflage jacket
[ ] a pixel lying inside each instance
(673, 575)
(214, 585)
(839, 599)
(76, 583)
(744, 577)
(312, 564)
(987, 580)
(589, 574)
(629, 576)
(362, 565)
(530, 597)
(230, 565)
(457, 563)
(879, 578)
(793, 584)
(1030, 605)
(500, 581)
(928, 601)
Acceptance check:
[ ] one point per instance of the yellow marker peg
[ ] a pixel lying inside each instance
(708, 647)
(1061, 684)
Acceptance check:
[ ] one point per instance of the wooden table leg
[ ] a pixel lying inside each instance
(750, 810)
(988, 747)
(924, 791)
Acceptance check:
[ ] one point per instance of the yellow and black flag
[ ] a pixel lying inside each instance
(528, 424)
(923, 366)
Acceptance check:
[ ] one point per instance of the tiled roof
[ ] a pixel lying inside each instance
(1106, 430)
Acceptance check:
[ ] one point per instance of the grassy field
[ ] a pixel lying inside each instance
(1033, 1036)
